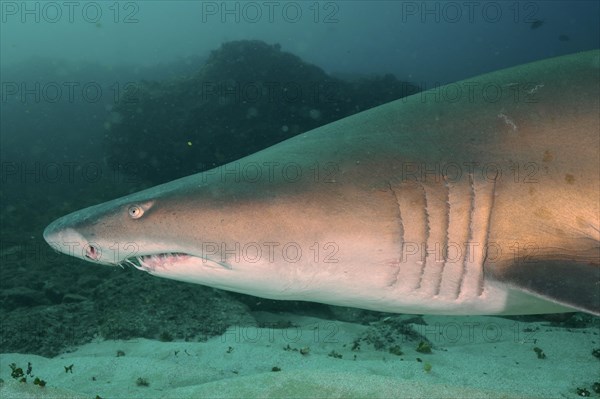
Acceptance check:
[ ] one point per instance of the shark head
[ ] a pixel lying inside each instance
(198, 229)
(146, 230)
(109, 233)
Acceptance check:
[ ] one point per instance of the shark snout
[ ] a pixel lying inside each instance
(66, 239)
(91, 235)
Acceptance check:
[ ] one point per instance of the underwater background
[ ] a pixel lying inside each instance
(102, 99)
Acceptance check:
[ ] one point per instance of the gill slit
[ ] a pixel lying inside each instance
(461, 282)
(444, 248)
(401, 228)
(427, 234)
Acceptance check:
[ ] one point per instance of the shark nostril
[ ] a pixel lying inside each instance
(92, 252)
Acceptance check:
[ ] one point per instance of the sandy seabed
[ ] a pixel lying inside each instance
(471, 357)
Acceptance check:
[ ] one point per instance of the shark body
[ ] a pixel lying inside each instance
(480, 197)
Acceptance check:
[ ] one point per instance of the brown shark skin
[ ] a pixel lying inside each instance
(509, 165)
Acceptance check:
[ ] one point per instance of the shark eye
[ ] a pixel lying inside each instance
(135, 211)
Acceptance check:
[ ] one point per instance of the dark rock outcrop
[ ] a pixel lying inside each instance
(248, 95)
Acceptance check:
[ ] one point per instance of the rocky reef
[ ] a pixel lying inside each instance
(247, 96)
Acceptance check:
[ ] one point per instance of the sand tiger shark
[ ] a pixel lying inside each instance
(479, 197)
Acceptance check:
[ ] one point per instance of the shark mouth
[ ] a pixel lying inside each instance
(156, 261)
(142, 262)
